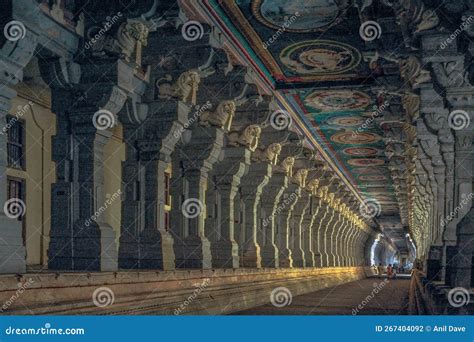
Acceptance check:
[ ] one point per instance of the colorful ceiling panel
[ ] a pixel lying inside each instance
(312, 54)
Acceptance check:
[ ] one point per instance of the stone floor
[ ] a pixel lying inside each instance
(374, 295)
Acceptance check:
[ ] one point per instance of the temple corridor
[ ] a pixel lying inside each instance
(213, 157)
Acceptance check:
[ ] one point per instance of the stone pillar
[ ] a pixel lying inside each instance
(327, 225)
(300, 211)
(81, 241)
(321, 220)
(274, 192)
(283, 217)
(307, 229)
(252, 187)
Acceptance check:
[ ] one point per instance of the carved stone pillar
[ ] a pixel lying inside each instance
(252, 186)
(226, 176)
(299, 213)
(274, 191)
(81, 241)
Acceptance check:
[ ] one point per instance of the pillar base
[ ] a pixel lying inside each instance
(251, 257)
(108, 249)
(309, 258)
(270, 256)
(298, 258)
(193, 252)
(12, 250)
(225, 254)
(79, 252)
(285, 260)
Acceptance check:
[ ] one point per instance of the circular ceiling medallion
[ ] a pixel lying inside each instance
(320, 57)
(352, 138)
(345, 121)
(372, 178)
(366, 162)
(310, 15)
(361, 151)
(338, 100)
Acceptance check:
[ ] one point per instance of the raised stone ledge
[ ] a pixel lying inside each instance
(163, 293)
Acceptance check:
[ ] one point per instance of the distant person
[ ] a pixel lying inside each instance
(389, 271)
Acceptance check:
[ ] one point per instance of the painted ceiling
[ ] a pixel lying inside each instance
(312, 53)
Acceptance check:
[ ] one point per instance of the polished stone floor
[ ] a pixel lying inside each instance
(374, 295)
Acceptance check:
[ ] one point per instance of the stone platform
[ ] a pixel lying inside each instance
(198, 292)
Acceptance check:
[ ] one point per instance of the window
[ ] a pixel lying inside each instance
(16, 142)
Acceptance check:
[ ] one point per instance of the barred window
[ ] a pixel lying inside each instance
(16, 142)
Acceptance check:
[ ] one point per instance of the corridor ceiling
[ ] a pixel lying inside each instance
(312, 53)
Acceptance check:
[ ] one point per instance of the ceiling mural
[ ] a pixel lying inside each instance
(312, 49)
(318, 14)
(320, 57)
(325, 74)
